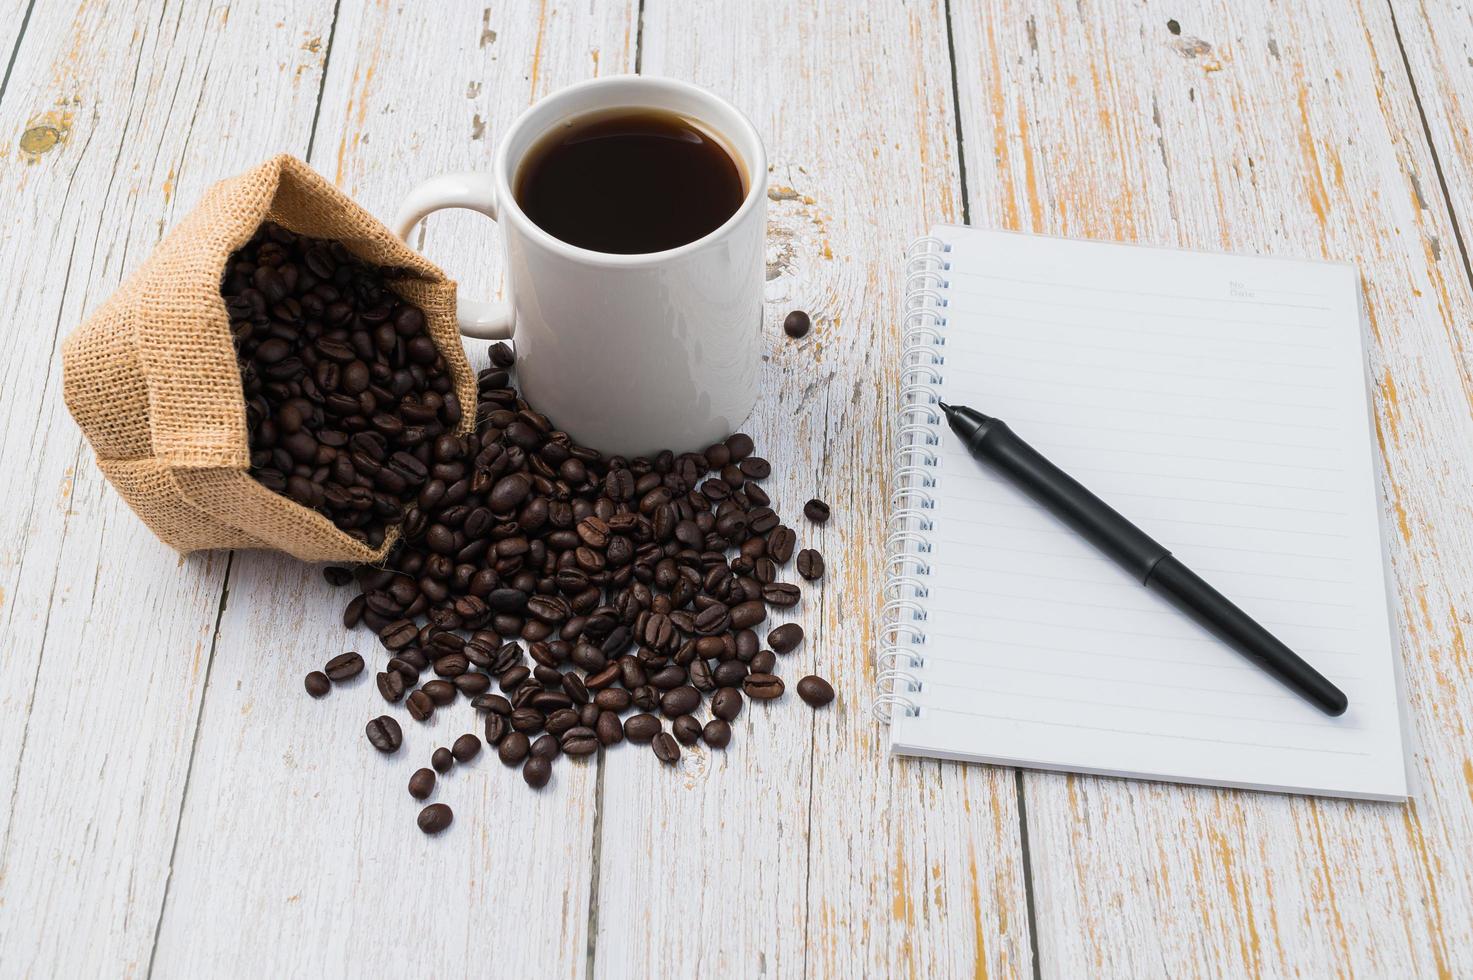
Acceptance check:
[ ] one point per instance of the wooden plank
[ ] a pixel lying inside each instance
(1289, 131)
(1437, 41)
(801, 849)
(107, 632)
(298, 853)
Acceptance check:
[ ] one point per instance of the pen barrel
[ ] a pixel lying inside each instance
(1212, 610)
(1066, 498)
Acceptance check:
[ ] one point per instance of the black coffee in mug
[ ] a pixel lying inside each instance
(629, 181)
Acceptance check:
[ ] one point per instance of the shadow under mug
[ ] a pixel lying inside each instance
(630, 354)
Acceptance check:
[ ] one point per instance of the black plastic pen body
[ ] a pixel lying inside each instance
(991, 441)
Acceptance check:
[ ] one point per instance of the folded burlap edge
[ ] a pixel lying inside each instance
(158, 357)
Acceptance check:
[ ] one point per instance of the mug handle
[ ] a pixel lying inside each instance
(477, 319)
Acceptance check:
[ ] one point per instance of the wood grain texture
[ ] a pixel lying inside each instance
(801, 849)
(1289, 131)
(294, 828)
(116, 117)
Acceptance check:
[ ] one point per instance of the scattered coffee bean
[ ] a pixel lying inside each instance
(717, 733)
(796, 324)
(343, 667)
(641, 727)
(726, 703)
(502, 356)
(421, 784)
(546, 747)
(435, 818)
(815, 691)
(390, 685)
(317, 684)
(514, 748)
(816, 511)
(420, 706)
(442, 760)
(686, 729)
(466, 748)
(763, 687)
(580, 741)
(385, 734)
(810, 564)
(667, 750)
(785, 638)
(537, 772)
(337, 576)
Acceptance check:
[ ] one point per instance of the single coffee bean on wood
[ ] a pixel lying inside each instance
(717, 733)
(726, 703)
(435, 818)
(580, 741)
(420, 706)
(815, 691)
(667, 750)
(816, 511)
(785, 638)
(390, 685)
(514, 748)
(502, 355)
(442, 760)
(421, 784)
(317, 684)
(686, 729)
(537, 771)
(546, 747)
(385, 734)
(796, 324)
(343, 667)
(810, 564)
(763, 687)
(641, 727)
(466, 748)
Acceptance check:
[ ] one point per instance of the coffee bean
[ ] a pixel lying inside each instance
(796, 324)
(465, 748)
(810, 564)
(537, 772)
(726, 703)
(717, 733)
(502, 356)
(343, 667)
(816, 511)
(609, 729)
(763, 687)
(472, 683)
(785, 638)
(764, 663)
(384, 734)
(335, 574)
(452, 665)
(816, 691)
(782, 594)
(739, 445)
(546, 747)
(318, 684)
(641, 727)
(440, 692)
(686, 729)
(747, 614)
(580, 741)
(420, 706)
(514, 748)
(679, 701)
(435, 818)
(496, 728)
(391, 685)
(421, 784)
(493, 703)
(666, 749)
(780, 543)
(442, 760)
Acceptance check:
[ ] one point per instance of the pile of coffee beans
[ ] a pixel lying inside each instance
(348, 401)
(578, 601)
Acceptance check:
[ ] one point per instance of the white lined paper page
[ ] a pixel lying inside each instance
(1219, 402)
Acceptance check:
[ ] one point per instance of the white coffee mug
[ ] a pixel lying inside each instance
(630, 354)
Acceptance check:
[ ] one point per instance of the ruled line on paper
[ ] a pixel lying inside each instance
(1060, 284)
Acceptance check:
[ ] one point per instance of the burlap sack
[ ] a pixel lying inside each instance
(152, 379)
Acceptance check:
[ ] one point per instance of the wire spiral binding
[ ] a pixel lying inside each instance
(902, 638)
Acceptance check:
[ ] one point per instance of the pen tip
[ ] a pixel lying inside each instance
(944, 407)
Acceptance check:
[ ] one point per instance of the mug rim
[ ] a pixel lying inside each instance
(754, 156)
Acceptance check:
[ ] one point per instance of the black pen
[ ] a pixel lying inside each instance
(991, 441)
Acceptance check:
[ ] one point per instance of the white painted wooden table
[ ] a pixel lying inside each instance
(172, 804)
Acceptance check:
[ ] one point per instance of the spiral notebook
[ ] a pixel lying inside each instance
(1221, 403)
